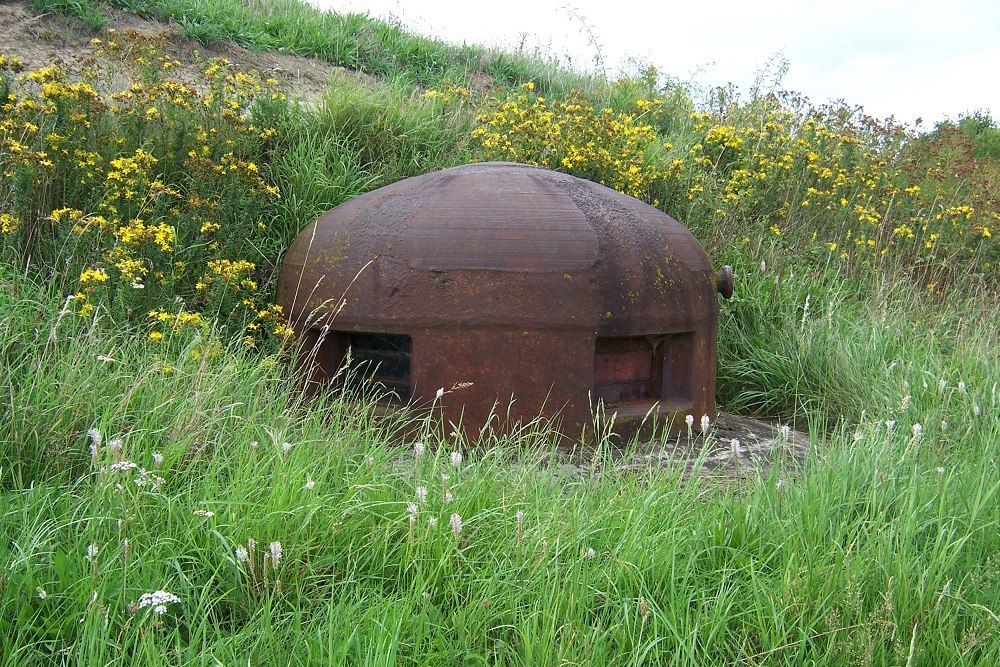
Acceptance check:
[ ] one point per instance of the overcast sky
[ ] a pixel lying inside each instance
(911, 59)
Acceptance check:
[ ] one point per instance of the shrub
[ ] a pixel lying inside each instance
(150, 198)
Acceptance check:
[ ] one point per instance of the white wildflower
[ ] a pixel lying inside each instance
(918, 430)
(786, 432)
(411, 509)
(975, 409)
(456, 459)
(95, 442)
(286, 448)
(939, 470)
(439, 393)
(944, 424)
(734, 448)
(763, 266)
(590, 552)
(92, 551)
(705, 423)
(962, 388)
(242, 555)
(456, 524)
(418, 449)
(42, 594)
(858, 436)
(689, 420)
(310, 484)
(158, 601)
(448, 497)
(208, 514)
(156, 482)
(115, 445)
(520, 516)
(890, 424)
(123, 466)
(432, 522)
(942, 384)
(275, 552)
(422, 495)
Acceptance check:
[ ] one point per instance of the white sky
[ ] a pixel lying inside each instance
(930, 59)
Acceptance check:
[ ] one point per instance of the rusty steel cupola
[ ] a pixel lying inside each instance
(534, 291)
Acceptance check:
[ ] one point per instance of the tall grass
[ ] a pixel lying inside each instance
(882, 550)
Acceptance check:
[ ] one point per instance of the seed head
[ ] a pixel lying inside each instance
(95, 443)
(275, 552)
(734, 448)
(456, 524)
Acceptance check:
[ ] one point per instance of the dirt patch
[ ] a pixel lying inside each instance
(759, 446)
(41, 40)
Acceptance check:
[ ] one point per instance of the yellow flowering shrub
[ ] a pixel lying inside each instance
(615, 149)
(828, 183)
(151, 193)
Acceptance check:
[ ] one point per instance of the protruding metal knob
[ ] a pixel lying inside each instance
(724, 281)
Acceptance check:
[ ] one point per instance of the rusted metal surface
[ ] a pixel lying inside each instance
(534, 286)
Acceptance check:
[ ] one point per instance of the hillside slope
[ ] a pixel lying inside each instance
(41, 40)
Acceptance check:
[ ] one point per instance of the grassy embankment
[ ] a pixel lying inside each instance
(140, 228)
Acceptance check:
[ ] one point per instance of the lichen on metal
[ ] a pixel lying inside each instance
(538, 292)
